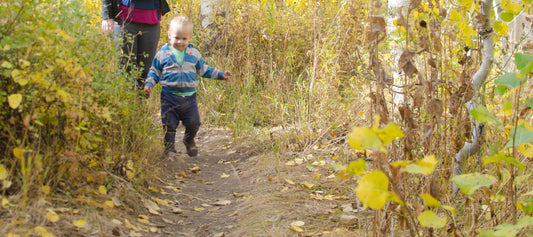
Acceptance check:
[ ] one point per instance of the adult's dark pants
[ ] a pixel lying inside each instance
(174, 109)
(139, 48)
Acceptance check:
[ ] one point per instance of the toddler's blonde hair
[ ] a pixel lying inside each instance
(180, 22)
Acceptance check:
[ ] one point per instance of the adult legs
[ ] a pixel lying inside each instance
(139, 48)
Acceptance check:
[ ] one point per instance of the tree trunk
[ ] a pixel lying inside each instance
(479, 78)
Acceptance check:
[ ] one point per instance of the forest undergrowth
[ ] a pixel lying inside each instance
(417, 118)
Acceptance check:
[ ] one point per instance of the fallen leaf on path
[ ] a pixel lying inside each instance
(130, 226)
(298, 223)
(52, 216)
(177, 211)
(144, 221)
(290, 163)
(168, 221)
(234, 214)
(116, 201)
(109, 204)
(195, 169)
(116, 222)
(162, 202)
(296, 228)
(308, 185)
(290, 182)
(299, 161)
(80, 223)
(42, 231)
(152, 207)
(199, 208)
(206, 205)
(222, 203)
(221, 234)
(224, 175)
(285, 189)
(102, 189)
(153, 189)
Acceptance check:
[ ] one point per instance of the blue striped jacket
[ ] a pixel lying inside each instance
(176, 78)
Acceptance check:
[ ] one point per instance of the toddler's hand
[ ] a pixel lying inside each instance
(148, 90)
(226, 75)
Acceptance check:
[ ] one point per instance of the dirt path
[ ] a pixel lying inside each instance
(204, 191)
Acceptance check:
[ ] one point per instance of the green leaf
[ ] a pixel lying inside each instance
(502, 230)
(530, 103)
(507, 159)
(500, 90)
(362, 138)
(506, 16)
(522, 60)
(424, 166)
(526, 206)
(373, 190)
(389, 133)
(523, 135)
(431, 220)
(524, 221)
(500, 28)
(469, 183)
(357, 167)
(337, 167)
(509, 80)
(482, 115)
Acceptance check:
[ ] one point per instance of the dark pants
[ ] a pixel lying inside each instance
(175, 109)
(139, 48)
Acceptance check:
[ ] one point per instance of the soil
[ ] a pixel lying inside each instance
(205, 191)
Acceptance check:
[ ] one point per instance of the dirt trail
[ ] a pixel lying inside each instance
(207, 188)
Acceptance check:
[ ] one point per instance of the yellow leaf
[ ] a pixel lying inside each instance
(199, 208)
(109, 204)
(290, 182)
(389, 133)
(17, 152)
(501, 28)
(430, 201)
(424, 166)
(80, 223)
(93, 163)
(290, 163)
(195, 169)
(296, 228)
(308, 185)
(372, 189)
(224, 175)
(5, 202)
(153, 189)
(430, 219)
(3, 172)
(52, 216)
(526, 149)
(45, 189)
(130, 226)
(362, 138)
(357, 167)
(102, 189)
(42, 232)
(11, 234)
(161, 201)
(144, 221)
(6, 64)
(514, 8)
(14, 100)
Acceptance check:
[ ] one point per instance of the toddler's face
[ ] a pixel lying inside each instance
(179, 37)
